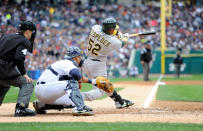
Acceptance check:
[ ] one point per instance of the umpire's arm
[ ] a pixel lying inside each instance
(19, 59)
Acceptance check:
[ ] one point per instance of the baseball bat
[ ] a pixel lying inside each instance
(143, 33)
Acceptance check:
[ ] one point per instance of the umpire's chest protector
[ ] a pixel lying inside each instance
(8, 45)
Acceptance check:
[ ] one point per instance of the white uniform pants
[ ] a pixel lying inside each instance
(94, 69)
(54, 93)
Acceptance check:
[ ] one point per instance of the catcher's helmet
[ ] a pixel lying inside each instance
(73, 52)
(108, 24)
(26, 25)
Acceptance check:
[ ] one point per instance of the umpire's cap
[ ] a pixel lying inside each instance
(26, 25)
(73, 52)
(108, 24)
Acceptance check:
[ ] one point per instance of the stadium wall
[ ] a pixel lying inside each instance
(192, 62)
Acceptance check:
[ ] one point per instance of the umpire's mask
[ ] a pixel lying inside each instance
(28, 25)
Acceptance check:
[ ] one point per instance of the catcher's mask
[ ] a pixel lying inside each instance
(28, 25)
(108, 24)
(73, 52)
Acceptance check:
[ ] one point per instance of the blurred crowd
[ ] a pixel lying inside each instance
(62, 24)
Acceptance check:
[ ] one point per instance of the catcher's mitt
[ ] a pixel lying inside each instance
(104, 84)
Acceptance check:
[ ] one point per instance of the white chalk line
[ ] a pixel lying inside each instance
(153, 92)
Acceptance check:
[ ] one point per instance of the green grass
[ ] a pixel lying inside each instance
(183, 78)
(180, 92)
(120, 126)
(131, 79)
(87, 87)
(12, 95)
(13, 92)
(126, 79)
(168, 92)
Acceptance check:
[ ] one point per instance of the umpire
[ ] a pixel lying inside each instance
(178, 61)
(13, 50)
(145, 58)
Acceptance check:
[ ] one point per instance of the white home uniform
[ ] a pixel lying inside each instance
(100, 45)
(49, 90)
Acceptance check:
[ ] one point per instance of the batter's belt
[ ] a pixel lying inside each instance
(41, 82)
(94, 59)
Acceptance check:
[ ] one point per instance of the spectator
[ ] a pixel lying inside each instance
(133, 72)
(69, 25)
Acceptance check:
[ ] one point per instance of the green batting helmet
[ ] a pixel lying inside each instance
(108, 24)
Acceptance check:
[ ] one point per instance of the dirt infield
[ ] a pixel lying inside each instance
(159, 111)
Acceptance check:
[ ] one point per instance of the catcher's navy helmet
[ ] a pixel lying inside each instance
(108, 24)
(73, 52)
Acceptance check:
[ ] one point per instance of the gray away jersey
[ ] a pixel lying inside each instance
(100, 45)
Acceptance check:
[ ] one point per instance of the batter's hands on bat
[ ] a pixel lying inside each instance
(116, 30)
(123, 37)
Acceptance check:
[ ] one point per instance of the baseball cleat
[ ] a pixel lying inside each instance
(126, 103)
(37, 109)
(87, 108)
(83, 112)
(21, 111)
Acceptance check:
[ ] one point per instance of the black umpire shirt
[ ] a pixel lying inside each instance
(178, 60)
(146, 55)
(13, 49)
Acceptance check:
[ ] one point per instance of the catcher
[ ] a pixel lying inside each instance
(58, 86)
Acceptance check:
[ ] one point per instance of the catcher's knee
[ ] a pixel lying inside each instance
(75, 95)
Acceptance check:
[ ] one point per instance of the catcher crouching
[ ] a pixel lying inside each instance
(58, 86)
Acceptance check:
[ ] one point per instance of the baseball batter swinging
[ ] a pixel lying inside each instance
(101, 43)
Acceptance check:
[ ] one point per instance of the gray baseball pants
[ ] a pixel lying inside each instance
(146, 71)
(25, 92)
